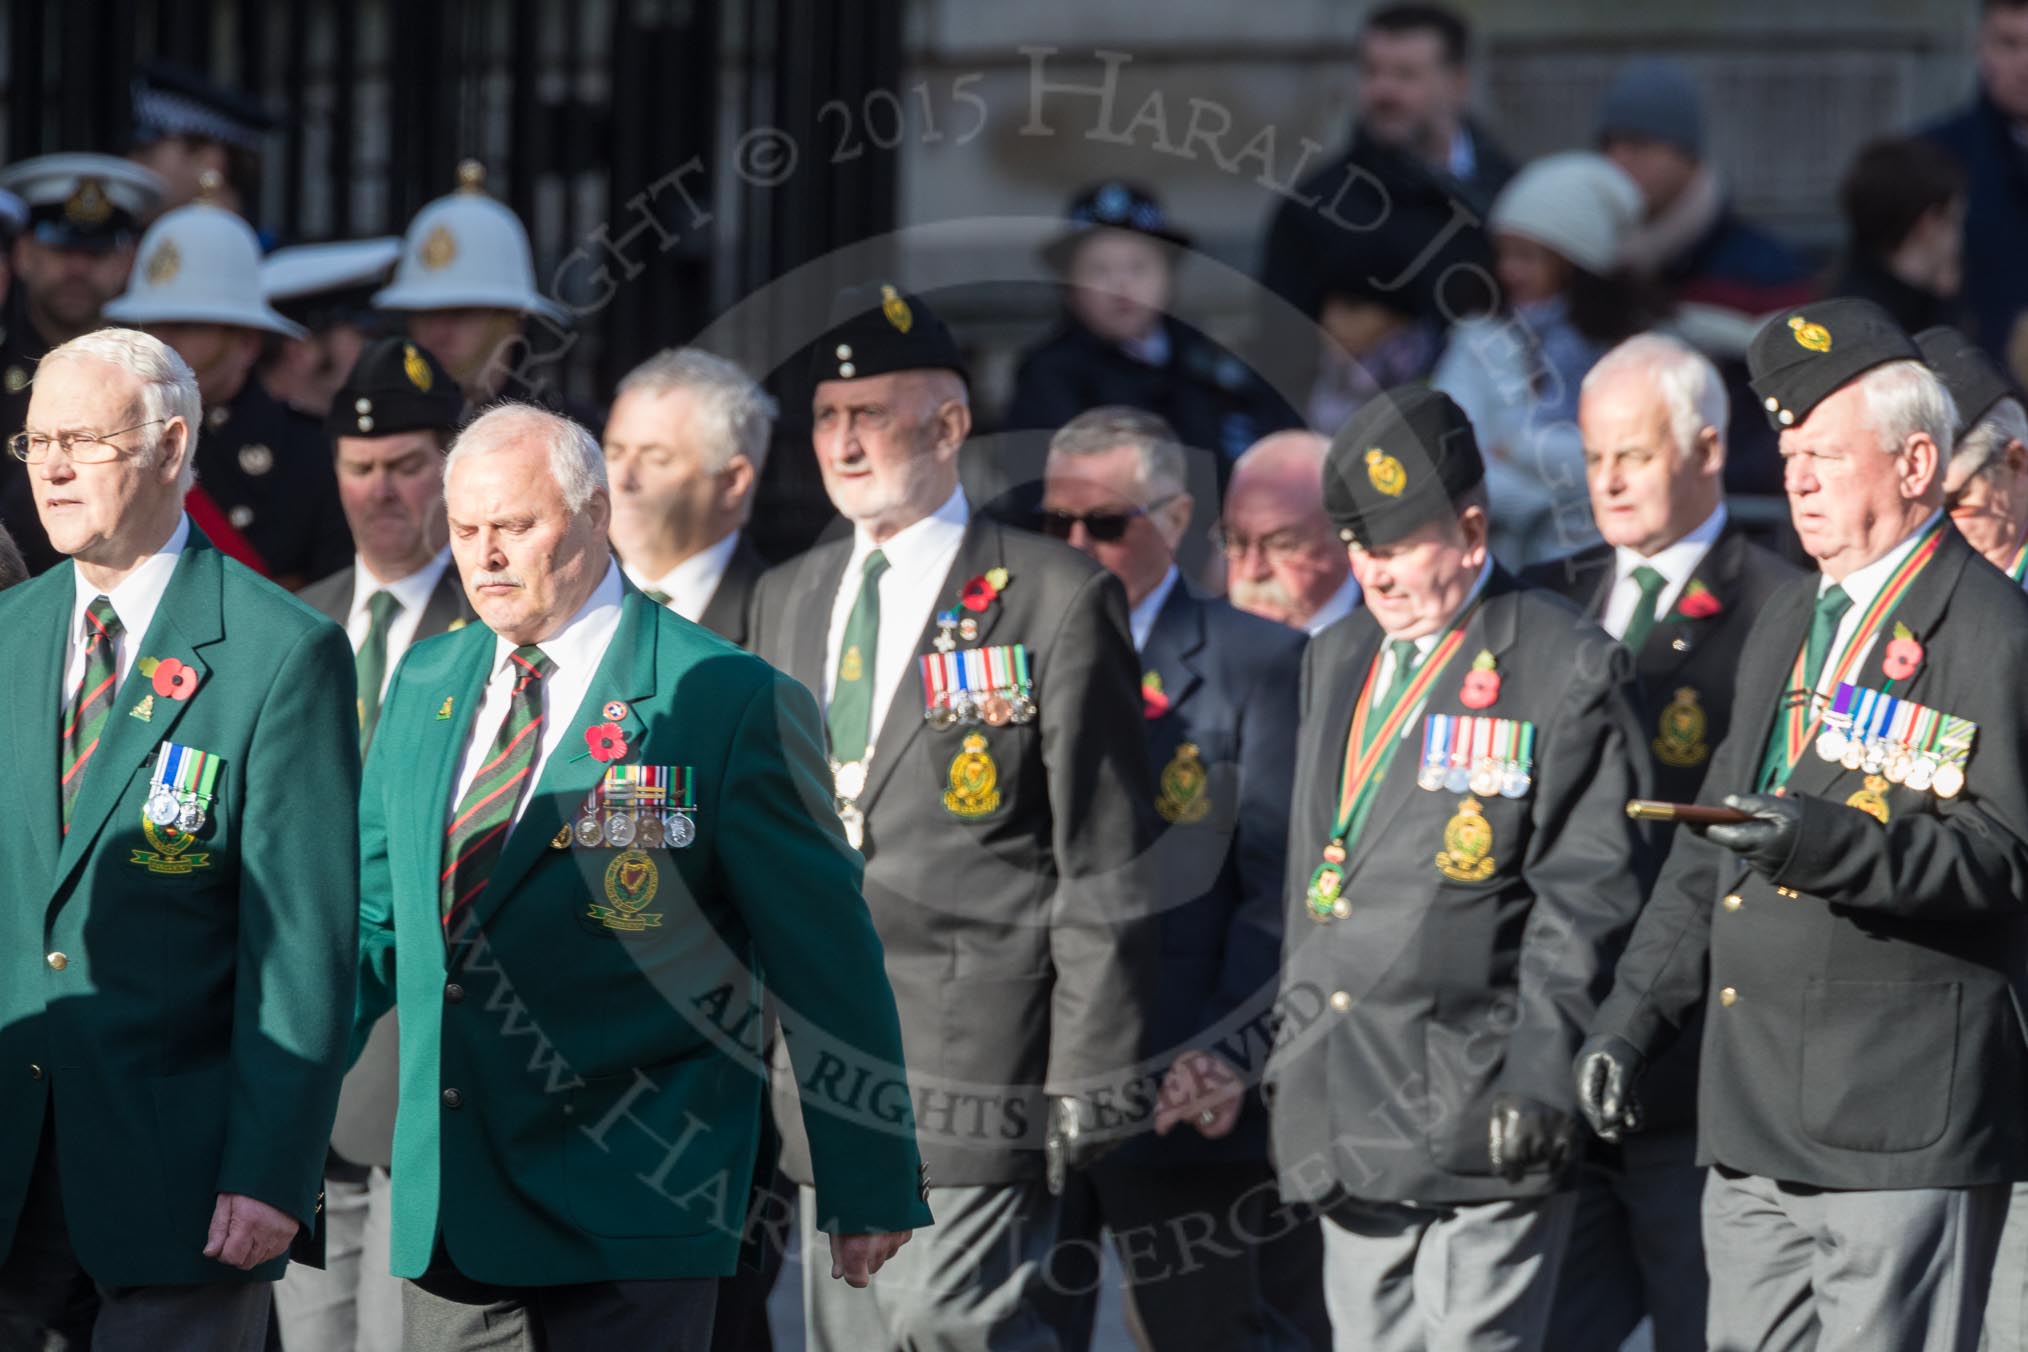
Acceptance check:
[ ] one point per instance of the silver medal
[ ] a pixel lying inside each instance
(849, 779)
(1457, 779)
(190, 817)
(1830, 744)
(1430, 777)
(1514, 784)
(588, 832)
(680, 830)
(619, 830)
(162, 805)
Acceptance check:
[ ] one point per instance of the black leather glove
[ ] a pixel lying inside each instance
(1769, 839)
(1072, 1141)
(1530, 1136)
(1607, 1068)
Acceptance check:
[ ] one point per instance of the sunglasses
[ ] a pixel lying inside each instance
(1105, 527)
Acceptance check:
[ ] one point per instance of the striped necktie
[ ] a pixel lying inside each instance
(478, 832)
(85, 716)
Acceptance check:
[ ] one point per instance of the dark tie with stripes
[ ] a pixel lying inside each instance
(85, 717)
(479, 830)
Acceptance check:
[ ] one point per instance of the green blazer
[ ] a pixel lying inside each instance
(192, 1038)
(582, 1102)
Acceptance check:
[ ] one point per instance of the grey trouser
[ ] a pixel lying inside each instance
(1816, 1271)
(354, 1303)
(973, 1282)
(1474, 1277)
(1636, 1251)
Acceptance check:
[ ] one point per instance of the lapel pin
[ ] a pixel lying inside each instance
(444, 710)
(145, 710)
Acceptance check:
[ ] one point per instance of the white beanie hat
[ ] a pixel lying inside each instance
(1577, 203)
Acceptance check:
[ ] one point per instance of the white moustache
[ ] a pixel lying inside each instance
(497, 580)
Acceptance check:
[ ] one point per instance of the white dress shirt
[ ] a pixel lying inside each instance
(411, 593)
(1336, 608)
(135, 601)
(1862, 585)
(691, 584)
(919, 558)
(576, 649)
(1423, 645)
(1675, 563)
(1141, 619)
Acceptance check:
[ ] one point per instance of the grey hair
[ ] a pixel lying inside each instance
(575, 460)
(1981, 448)
(168, 386)
(740, 415)
(1690, 386)
(1906, 397)
(1111, 426)
(13, 569)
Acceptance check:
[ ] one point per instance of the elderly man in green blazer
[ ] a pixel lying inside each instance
(590, 830)
(177, 891)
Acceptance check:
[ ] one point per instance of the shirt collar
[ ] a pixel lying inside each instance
(1336, 608)
(694, 574)
(586, 635)
(413, 591)
(1141, 620)
(1152, 350)
(1863, 584)
(1677, 561)
(914, 545)
(139, 594)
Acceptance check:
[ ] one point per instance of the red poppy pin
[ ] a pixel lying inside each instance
(172, 679)
(1699, 602)
(1153, 702)
(1903, 654)
(983, 590)
(1482, 683)
(606, 741)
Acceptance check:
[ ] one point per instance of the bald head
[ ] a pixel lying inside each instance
(1282, 558)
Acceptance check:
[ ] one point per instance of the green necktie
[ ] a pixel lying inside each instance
(1651, 584)
(371, 661)
(475, 837)
(1831, 608)
(851, 715)
(92, 700)
(1404, 669)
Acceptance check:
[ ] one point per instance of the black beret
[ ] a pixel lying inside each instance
(879, 329)
(1974, 379)
(396, 386)
(1400, 462)
(1801, 357)
(1112, 205)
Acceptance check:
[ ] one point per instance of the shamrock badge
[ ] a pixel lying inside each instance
(606, 740)
(1698, 602)
(1903, 654)
(1482, 683)
(172, 679)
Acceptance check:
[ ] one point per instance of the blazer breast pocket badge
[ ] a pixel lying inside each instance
(1181, 796)
(181, 791)
(974, 780)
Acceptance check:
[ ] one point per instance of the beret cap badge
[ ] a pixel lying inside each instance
(417, 370)
(896, 309)
(1385, 472)
(1815, 337)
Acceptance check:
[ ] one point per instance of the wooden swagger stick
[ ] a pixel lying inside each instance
(1689, 814)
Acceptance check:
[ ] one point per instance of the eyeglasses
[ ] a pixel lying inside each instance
(1105, 527)
(1279, 547)
(80, 448)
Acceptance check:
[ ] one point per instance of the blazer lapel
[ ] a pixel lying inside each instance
(626, 673)
(439, 749)
(823, 572)
(977, 552)
(1676, 636)
(1173, 644)
(189, 619)
(1491, 630)
(34, 738)
(445, 608)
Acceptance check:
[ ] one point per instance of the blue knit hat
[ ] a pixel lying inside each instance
(1656, 98)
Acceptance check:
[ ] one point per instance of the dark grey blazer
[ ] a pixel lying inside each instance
(727, 613)
(1686, 664)
(1872, 1037)
(364, 1130)
(1405, 1019)
(1019, 942)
